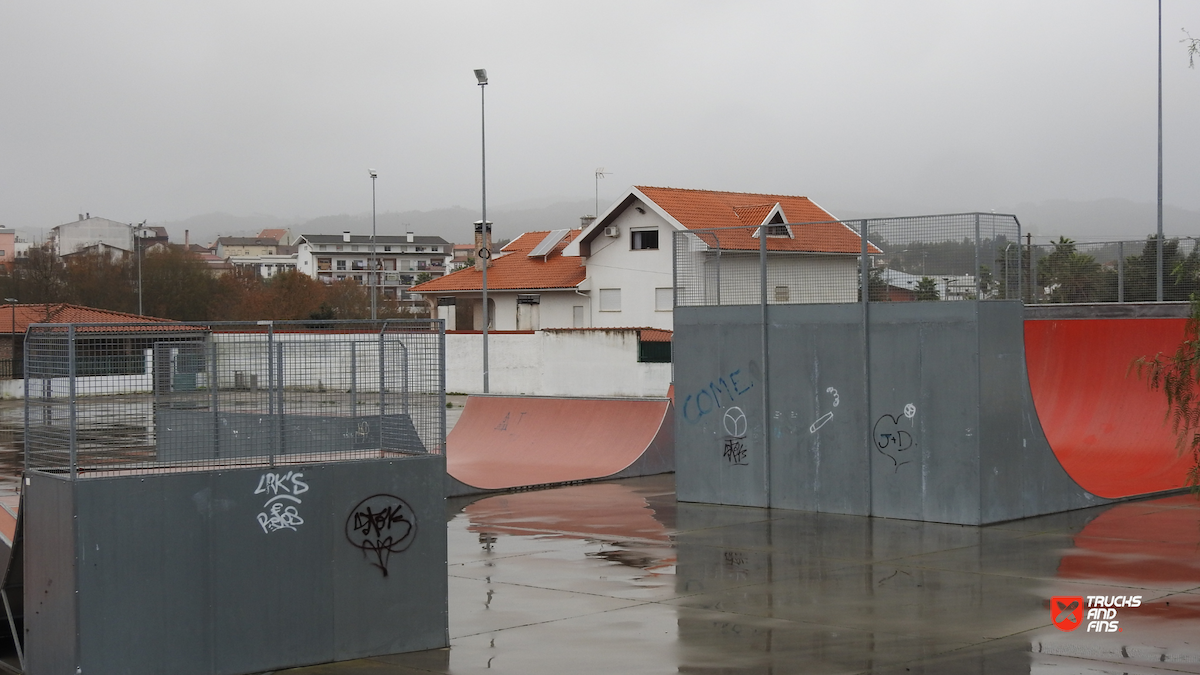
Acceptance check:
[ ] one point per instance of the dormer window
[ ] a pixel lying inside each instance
(775, 223)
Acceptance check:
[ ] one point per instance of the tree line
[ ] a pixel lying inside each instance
(1063, 272)
(177, 284)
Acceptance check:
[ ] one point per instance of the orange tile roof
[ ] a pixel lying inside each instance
(515, 270)
(818, 231)
(66, 313)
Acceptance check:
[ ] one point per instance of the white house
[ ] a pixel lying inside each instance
(617, 271)
(399, 260)
(90, 231)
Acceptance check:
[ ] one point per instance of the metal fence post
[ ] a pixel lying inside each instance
(279, 426)
(717, 239)
(25, 373)
(353, 378)
(214, 400)
(73, 438)
(441, 329)
(864, 268)
(271, 392)
(1033, 278)
(978, 280)
(1120, 271)
(382, 343)
(766, 360)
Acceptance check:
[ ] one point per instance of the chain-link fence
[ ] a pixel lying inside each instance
(137, 398)
(1115, 271)
(946, 257)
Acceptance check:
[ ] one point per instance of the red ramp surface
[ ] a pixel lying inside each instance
(1106, 427)
(505, 442)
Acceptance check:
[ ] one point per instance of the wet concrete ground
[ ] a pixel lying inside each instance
(618, 577)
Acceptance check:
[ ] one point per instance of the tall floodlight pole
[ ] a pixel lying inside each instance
(485, 251)
(1160, 162)
(374, 281)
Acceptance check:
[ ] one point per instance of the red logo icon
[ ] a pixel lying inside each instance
(1066, 612)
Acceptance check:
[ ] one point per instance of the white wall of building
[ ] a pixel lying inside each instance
(614, 264)
(554, 310)
(70, 237)
(733, 279)
(583, 363)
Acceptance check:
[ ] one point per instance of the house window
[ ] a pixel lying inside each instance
(654, 352)
(360, 264)
(664, 299)
(644, 240)
(354, 248)
(610, 299)
(324, 263)
(321, 247)
(341, 264)
(782, 294)
(387, 249)
(777, 231)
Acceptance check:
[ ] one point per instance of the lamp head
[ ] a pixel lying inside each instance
(372, 172)
(481, 75)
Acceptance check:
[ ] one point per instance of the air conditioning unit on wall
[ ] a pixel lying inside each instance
(612, 231)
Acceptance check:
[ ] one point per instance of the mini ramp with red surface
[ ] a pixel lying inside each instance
(1105, 426)
(507, 442)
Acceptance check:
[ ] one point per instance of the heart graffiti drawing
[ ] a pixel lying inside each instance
(890, 440)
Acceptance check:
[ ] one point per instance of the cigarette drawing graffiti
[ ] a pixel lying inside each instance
(381, 525)
(823, 419)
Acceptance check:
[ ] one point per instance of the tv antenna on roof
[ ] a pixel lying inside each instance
(600, 173)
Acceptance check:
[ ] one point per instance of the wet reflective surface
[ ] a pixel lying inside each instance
(619, 578)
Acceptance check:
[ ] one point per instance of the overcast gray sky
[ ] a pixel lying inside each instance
(144, 109)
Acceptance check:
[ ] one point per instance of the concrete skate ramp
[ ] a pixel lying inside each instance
(507, 442)
(1105, 426)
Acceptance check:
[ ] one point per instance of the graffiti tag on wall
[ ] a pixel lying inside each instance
(379, 526)
(891, 439)
(279, 511)
(716, 395)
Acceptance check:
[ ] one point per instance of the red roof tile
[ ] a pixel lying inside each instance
(65, 313)
(515, 270)
(816, 232)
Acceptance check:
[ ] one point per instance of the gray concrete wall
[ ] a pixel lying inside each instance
(240, 571)
(929, 417)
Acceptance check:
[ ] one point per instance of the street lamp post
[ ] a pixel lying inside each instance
(374, 282)
(1159, 261)
(485, 250)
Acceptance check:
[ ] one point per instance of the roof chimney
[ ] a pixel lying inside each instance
(346, 236)
(584, 221)
(410, 237)
(81, 216)
(187, 242)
